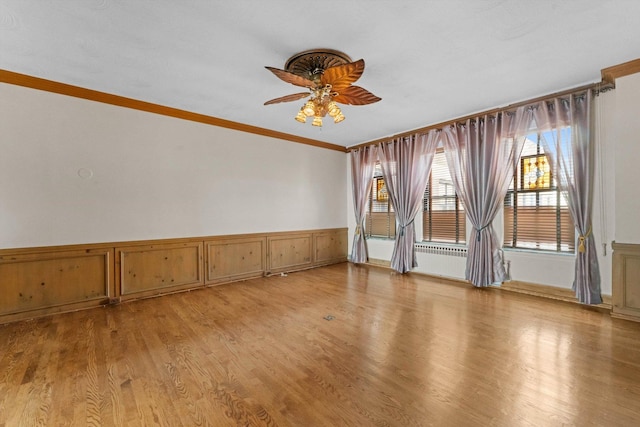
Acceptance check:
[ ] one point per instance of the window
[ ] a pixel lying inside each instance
(536, 215)
(381, 220)
(443, 214)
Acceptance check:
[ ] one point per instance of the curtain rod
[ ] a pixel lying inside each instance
(600, 86)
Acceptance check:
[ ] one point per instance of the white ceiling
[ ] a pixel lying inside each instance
(429, 61)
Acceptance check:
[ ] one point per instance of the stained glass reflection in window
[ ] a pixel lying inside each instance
(536, 173)
(381, 190)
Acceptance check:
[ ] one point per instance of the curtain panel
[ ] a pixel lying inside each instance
(482, 154)
(363, 163)
(406, 164)
(565, 125)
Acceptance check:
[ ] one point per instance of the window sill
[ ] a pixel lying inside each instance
(389, 239)
(442, 244)
(538, 252)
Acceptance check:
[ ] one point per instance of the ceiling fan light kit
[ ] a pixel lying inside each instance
(328, 75)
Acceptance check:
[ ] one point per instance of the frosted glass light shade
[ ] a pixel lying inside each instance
(301, 117)
(333, 109)
(309, 109)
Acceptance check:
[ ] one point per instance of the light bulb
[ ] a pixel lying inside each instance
(317, 121)
(338, 118)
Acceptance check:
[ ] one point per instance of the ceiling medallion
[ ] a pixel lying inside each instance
(328, 75)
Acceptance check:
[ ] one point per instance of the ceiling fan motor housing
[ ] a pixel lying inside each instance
(311, 64)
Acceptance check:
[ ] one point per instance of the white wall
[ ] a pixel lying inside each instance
(616, 201)
(152, 176)
(627, 159)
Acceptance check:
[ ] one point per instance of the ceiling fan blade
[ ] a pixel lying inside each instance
(288, 98)
(294, 79)
(341, 76)
(355, 95)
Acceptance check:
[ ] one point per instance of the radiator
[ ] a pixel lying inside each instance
(439, 249)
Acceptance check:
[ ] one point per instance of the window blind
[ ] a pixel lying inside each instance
(443, 214)
(380, 219)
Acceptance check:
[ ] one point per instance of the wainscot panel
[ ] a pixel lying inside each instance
(626, 281)
(158, 268)
(45, 280)
(330, 246)
(289, 252)
(234, 259)
(40, 281)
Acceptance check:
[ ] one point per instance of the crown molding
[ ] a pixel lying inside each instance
(610, 74)
(38, 83)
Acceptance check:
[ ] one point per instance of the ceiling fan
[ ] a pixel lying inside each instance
(328, 75)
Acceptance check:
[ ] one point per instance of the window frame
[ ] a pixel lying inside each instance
(560, 211)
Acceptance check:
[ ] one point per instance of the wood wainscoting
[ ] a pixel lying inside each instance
(626, 281)
(289, 252)
(45, 280)
(235, 259)
(35, 282)
(329, 247)
(159, 268)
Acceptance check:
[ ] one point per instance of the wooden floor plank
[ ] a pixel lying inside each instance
(338, 345)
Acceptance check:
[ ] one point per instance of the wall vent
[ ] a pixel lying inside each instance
(438, 249)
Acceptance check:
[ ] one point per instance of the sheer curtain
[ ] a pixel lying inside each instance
(363, 162)
(406, 163)
(565, 126)
(482, 154)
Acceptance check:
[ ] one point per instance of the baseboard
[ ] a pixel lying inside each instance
(379, 263)
(432, 277)
(552, 292)
(534, 289)
(632, 318)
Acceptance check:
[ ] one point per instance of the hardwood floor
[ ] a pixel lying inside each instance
(399, 350)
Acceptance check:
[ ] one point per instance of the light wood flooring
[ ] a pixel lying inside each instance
(397, 351)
